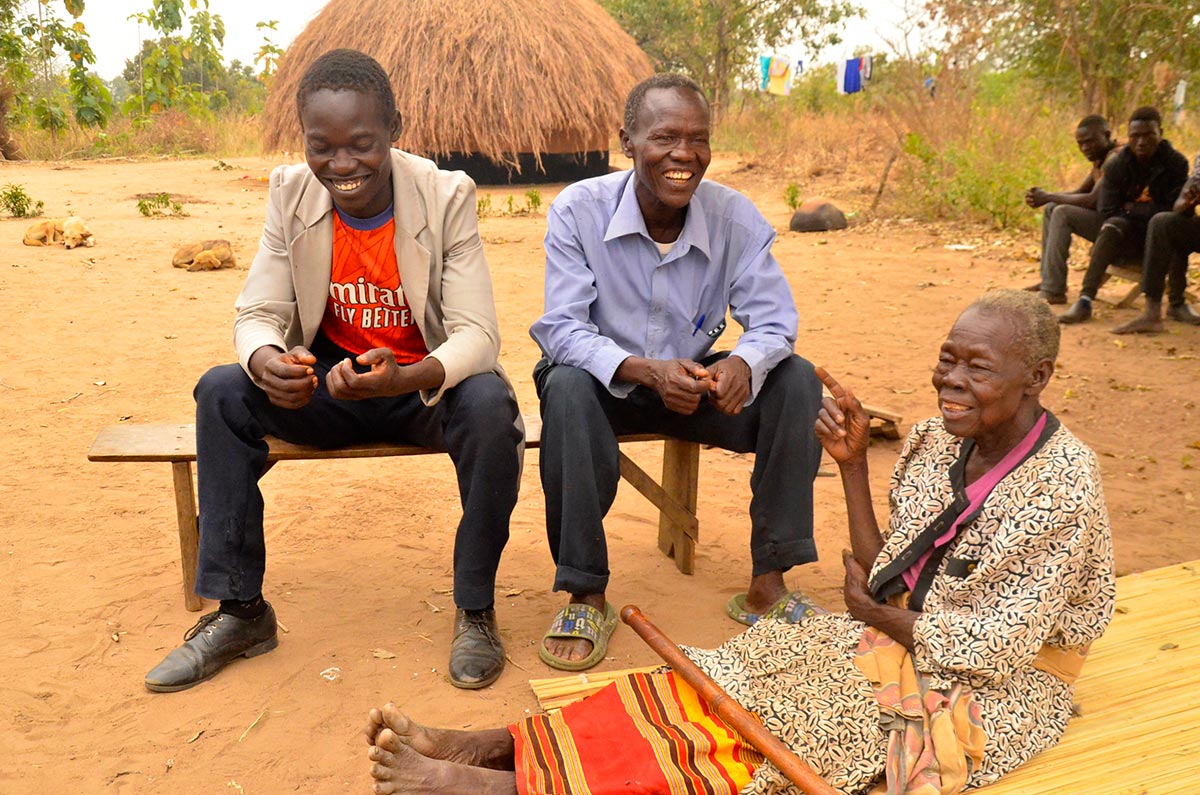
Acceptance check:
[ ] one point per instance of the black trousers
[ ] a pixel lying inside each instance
(580, 471)
(474, 422)
(1171, 238)
(1119, 239)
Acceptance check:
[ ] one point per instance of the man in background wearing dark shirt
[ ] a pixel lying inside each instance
(1171, 238)
(1139, 181)
(1073, 212)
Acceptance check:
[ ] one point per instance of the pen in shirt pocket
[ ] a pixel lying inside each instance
(699, 323)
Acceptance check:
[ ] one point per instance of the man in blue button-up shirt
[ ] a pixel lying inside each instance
(641, 269)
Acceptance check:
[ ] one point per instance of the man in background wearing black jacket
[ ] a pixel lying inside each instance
(1139, 181)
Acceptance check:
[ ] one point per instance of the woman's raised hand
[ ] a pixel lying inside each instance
(843, 426)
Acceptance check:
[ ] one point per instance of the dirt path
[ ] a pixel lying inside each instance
(360, 552)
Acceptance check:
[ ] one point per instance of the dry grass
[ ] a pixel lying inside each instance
(541, 76)
(171, 133)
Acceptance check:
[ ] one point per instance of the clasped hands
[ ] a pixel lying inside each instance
(683, 383)
(290, 382)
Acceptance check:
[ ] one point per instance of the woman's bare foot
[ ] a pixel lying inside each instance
(491, 748)
(398, 768)
(575, 649)
(764, 591)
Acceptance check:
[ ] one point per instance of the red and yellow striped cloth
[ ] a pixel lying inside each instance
(645, 733)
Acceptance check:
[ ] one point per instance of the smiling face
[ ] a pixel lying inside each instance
(1093, 142)
(1144, 138)
(347, 143)
(986, 389)
(670, 150)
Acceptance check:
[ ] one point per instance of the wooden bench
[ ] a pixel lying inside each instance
(1131, 270)
(675, 496)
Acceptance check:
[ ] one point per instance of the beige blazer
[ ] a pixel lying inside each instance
(442, 268)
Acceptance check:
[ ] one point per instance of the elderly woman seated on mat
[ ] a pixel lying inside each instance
(954, 663)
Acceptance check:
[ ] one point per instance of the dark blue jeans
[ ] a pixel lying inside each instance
(474, 422)
(581, 420)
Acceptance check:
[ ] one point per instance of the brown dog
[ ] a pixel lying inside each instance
(70, 231)
(208, 255)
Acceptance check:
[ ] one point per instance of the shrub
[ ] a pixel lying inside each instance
(18, 203)
(160, 205)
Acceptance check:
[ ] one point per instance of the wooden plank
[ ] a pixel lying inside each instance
(652, 491)
(681, 472)
(163, 442)
(189, 531)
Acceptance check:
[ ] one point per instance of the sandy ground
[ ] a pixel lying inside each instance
(359, 551)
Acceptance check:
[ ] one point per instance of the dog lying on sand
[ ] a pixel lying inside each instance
(71, 231)
(207, 255)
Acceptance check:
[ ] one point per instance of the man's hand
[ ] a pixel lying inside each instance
(385, 377)
(287, 378)
(681, 383)
(1036, 197)
(730, 387)
(1189, 197)
(843, 425)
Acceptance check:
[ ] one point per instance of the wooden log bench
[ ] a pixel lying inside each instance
(674, 496)
(1131, 270)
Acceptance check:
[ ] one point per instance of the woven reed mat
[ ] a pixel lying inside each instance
(1138, 732)
(1139, 698)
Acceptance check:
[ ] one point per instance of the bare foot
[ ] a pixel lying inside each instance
(399, 768)
(1142, 324)
(575, 649)
(491, 749)
(764, 591)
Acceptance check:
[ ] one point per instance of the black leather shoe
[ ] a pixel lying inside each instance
(216, 640)
(1080, 312)
(476, 654)
(1184, 314)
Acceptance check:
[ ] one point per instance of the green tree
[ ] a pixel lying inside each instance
(161, 79)
(38, 36)
(269, 52)
(718, 41)
(1111, 54)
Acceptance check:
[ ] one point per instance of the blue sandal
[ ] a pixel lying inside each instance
(580, 621)
(791, 608)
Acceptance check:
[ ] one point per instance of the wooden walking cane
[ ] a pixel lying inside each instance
(724, 705)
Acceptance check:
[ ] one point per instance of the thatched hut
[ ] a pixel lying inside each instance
(508, 90)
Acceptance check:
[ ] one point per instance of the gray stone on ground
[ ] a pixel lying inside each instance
(817, 215)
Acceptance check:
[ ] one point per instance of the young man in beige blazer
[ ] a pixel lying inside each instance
(367, 315)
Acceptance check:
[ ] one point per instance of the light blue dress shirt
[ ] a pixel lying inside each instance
(610, 294)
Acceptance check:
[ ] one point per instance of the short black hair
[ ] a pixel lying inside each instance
(1093, 122)
(348, 70)
(637, 97)
(1146, 113)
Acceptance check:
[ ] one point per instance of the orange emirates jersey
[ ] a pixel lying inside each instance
(367, 307)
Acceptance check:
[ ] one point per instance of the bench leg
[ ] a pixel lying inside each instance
(1130, 296)
(678, 528)
(681, 471)
(189, 530)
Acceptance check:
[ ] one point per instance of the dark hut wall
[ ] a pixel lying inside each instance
(505, 82)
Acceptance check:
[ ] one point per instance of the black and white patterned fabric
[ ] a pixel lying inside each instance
(1034, 568)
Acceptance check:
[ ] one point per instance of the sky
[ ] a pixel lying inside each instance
(114, 37)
